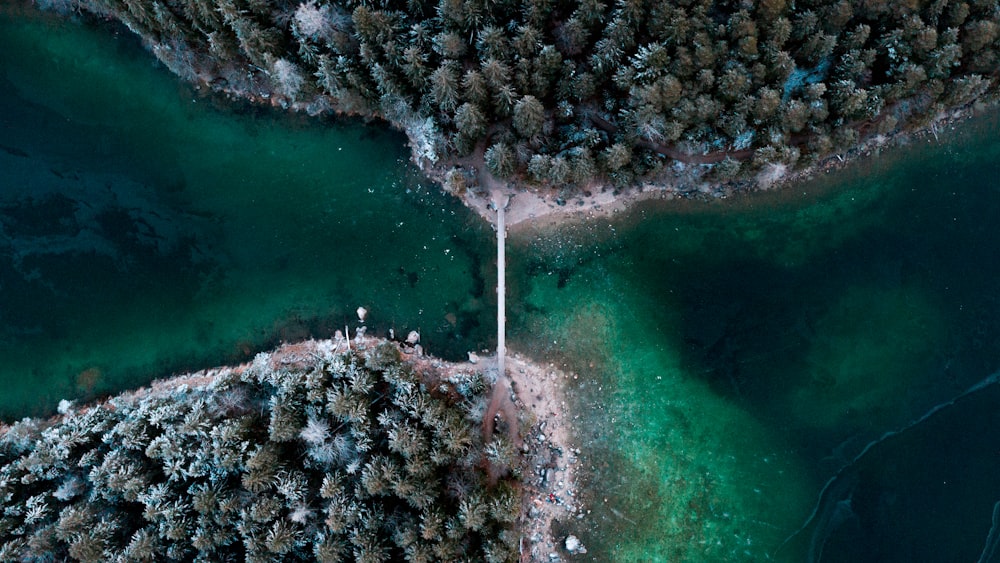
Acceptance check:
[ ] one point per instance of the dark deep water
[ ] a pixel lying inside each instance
(735, 358)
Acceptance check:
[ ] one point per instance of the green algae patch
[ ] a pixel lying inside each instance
(694, 476)
(673, 470)
(725, 348)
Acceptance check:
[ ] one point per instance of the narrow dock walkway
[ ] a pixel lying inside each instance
(501, 401)
(501, 289)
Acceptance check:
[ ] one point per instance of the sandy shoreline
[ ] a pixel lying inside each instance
(551, 458)
(546, 207)
(536, 208)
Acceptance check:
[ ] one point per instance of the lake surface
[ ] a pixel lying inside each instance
(733, 359)
(149, 230)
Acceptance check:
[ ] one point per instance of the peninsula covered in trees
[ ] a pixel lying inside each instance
(565, 92)
(312, 453)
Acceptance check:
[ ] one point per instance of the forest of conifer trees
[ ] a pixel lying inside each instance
(313, 454)
(562, 92)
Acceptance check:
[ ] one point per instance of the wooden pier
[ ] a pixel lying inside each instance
(501, 288)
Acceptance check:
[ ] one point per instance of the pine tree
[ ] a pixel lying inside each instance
(492, 42)
(472, 513)
(328, 549)
(283, 537)
(378, 497)
(500, 160)
(286, 418)
(496, 72)
(538, 167)
(470, 123)
(529, 116)
(504, 100)
(527, 41)
(444, 87)
(559, 170)
(475, 89)
(770, 9)
(450, 45)
(616, 156)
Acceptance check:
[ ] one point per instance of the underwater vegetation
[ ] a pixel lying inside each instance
(309, 453)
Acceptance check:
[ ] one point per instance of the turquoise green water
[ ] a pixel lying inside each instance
(147, 231)
(731, 357)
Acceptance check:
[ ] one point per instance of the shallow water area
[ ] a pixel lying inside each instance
(149, 229)
(731, 357)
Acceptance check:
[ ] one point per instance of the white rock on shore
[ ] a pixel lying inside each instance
(573, 545)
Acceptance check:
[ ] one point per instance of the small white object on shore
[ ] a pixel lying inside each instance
(473, 358)
(573, 545)
(413, 337)
(362, 313)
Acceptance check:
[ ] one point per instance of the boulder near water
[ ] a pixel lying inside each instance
(574, 545)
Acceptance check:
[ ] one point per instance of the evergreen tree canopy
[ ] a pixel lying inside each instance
(307, 455)
(700, 81)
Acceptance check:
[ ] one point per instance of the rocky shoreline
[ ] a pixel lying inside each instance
(551, 457)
